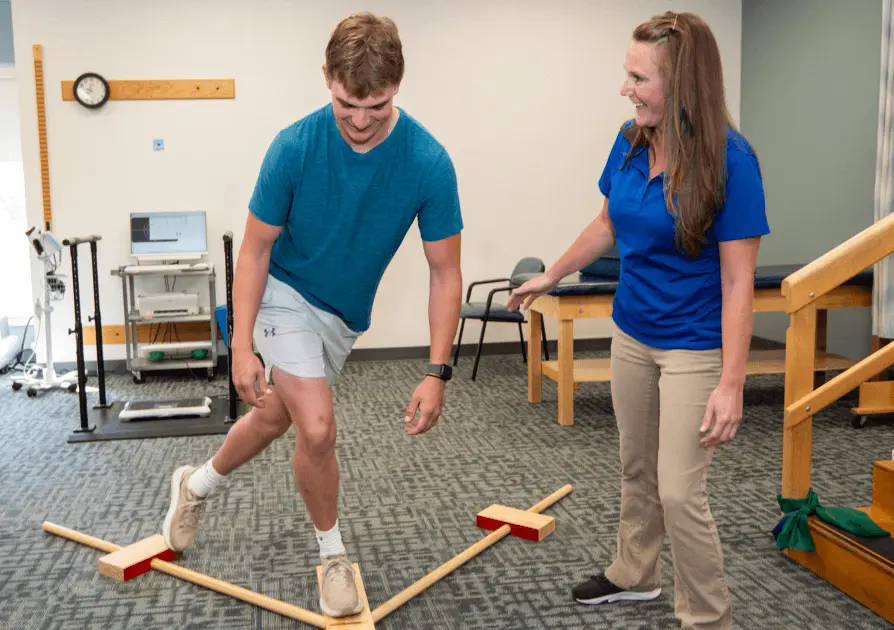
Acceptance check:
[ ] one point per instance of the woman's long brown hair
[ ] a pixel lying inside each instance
(696, 122)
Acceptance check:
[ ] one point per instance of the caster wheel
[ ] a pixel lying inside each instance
(32, 393)
(16, 387)
(858, 422)
(210, 375)
(73, 388)
(139, 380)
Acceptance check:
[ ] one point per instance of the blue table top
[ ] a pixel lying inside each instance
(765, 277)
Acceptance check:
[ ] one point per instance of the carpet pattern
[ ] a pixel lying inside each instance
(407, 505)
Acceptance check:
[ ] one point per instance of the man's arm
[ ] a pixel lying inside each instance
(250, 278)
(445, 294)
(444, 302)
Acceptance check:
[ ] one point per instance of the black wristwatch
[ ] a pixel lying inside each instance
(440, 370)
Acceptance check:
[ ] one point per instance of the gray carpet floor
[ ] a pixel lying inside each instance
(408, 504)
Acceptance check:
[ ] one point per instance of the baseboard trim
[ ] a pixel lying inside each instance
(384, 354)
(409, 353)
(468, 350)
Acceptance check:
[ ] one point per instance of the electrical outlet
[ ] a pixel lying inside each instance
(158, 144)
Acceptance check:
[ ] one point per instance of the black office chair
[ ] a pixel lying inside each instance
(495, 312)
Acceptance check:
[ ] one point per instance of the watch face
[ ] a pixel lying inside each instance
(91, 90)
(443, 371)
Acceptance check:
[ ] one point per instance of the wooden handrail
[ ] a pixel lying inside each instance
(839, 265)
(820, 398)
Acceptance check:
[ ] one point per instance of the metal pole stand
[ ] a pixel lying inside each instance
(78, 330)
(228, 265)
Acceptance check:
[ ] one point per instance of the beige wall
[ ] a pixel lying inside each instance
(524, 95)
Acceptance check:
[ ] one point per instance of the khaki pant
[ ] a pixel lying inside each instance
(663, 478)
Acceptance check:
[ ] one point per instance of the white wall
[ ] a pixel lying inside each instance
(15, 288)
(523, 94)
(10, 138)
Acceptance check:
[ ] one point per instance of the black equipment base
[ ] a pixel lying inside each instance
(103, 422)
(107, 425)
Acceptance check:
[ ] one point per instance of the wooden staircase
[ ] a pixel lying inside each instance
(862, 567)
(859, 566)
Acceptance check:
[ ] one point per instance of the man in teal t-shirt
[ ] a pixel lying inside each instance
(337, 193)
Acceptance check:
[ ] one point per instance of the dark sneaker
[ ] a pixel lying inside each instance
(600, 590)
(339, 597)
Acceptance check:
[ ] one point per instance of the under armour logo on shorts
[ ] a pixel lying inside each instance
(270, 333)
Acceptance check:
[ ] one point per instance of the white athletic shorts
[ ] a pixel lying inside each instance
(299, 338)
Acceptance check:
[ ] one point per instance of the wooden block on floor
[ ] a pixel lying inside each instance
(362, 620)
(133, 560)
(527, 525)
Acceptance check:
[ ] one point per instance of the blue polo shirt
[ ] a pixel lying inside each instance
(667, 299)
(345, 214)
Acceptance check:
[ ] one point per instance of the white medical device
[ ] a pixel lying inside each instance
(167, 236)
(38, 377)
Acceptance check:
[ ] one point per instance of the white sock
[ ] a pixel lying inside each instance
(330, 542)
(204, 480)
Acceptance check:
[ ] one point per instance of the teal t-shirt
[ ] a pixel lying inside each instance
(345, 214)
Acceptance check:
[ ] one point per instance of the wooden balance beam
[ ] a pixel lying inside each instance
(124, 563)
(268, 603)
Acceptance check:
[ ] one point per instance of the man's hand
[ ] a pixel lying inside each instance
(247, 370)
(427, 399)
(725, 409)
(530, 291)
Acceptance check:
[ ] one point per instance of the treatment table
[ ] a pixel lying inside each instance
(590, 295)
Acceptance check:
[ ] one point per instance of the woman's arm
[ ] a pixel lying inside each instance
(593, 242)
(737, 262)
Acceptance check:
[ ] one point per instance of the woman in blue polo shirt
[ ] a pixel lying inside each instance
(684, 204)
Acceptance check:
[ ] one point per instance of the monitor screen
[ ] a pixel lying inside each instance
(164, 233)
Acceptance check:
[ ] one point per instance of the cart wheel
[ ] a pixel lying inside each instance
(858, 422)
(16, 386)
(139, 379)
(32, 393)
(210, 374)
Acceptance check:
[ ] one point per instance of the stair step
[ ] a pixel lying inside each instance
(876, 397)
(879, 517)
(883, 487)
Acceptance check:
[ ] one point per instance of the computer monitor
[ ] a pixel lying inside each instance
(168, 235)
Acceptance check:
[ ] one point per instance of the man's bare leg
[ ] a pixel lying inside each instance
(252, 433)
(190, 486)
(309, 404)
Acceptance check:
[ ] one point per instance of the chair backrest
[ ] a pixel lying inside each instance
(607, 266)
(529, 265)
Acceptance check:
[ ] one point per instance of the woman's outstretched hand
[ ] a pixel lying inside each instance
(530, 291)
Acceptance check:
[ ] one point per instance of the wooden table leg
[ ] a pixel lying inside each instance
(566, 372)
(535, 354)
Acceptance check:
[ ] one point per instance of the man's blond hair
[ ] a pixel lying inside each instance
(365, 55)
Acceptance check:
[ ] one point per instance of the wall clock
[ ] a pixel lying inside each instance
(91, 90)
